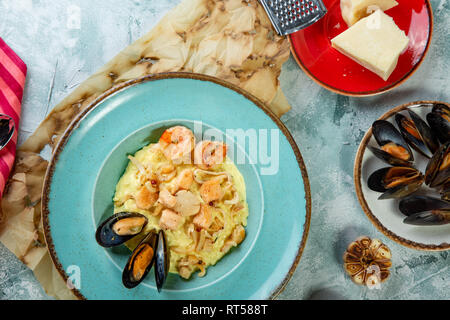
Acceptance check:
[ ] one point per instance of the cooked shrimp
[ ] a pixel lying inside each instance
(145, 199)
(169, 219)
(211, 190)
(204, 218)
(177, 144)
(185, 179)
(208, 154)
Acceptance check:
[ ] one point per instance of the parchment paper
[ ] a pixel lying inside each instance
(231, 39)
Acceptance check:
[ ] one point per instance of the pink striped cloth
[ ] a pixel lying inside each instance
(12, 81)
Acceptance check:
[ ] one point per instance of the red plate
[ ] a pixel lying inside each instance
(312, 49)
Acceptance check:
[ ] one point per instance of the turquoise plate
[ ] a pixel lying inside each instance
(92, 155)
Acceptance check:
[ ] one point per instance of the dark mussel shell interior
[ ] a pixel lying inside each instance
(424, 210)
(140, 261)
(162, 261)
(439, 121)
(385, 134)
(417, 133)
(375, 181)
(105, 235)
(395, 182)
(445, 191)
(438, 168)
(388, 158)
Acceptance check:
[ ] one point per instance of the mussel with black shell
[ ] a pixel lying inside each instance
(417, 133)
(445, 191)
(393, 148)
(439, 121)
(425, 211)
(120, 228)
(395, 182)
(438, 169)
(402, 180)
(152, 250)
(162, 261)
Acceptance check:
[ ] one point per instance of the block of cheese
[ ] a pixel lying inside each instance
(353, 10)
(375, 42)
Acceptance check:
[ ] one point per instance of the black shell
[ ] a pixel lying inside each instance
(162, 261)
(438, 121)
(105, 235)
(377, 183)
(424, 210)
(426, 144)
(384, 132)
(434, 177)
(128, 280)
(445, 191)
(388, 158)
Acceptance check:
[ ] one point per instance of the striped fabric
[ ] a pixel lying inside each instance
(12, 81)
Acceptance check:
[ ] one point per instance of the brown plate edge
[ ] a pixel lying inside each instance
(171, 75)
(360, 195)
(375, 92)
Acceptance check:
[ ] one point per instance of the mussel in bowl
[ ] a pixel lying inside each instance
(445, 191)
(395, 182)
(439, 121)
(393, 148)
(120, 228)
(404, 180)
(425, 211)
(417, 133)
(438, 169)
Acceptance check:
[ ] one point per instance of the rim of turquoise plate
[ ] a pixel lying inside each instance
(161, 76)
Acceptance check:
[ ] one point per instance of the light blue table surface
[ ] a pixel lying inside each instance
(327, 127)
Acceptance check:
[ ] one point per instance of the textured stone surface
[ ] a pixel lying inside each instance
(61, 53)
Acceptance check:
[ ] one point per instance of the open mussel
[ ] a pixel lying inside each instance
(417, 133)
(438, 169)
(152, 250)
(393, 148)
(120, 228)
(439, 121)
(140, 261)
(423, 210)
(395, 182)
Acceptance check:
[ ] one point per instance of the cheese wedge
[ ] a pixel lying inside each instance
(353, 10)
(375, 42)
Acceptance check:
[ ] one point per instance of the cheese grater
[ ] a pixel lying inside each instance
(289, 16)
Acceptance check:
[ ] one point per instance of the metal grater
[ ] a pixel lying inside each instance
(289, 16)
